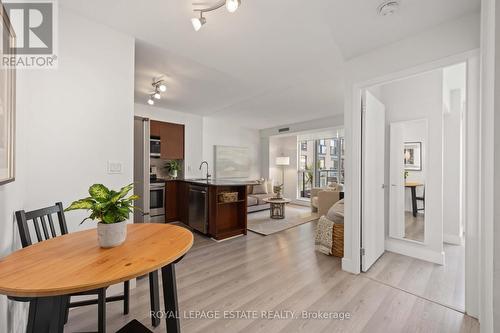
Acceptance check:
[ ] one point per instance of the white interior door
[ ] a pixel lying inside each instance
(373, 193)
(397, 186)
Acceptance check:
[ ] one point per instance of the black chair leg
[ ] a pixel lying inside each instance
(101, 309)
(126, 297)
(154, 296)
(66, 314)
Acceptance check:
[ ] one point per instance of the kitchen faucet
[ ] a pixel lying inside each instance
(201, 165)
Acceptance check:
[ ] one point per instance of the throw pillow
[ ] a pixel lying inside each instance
(260, 188)
(336, 212)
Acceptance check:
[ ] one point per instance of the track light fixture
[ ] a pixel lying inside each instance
(198, 22)
(159, 86)
(231, 6)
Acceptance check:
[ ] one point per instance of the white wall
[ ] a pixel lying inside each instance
(436, 44)
(218, 132)
(490, 161)
(12, 197)
(71, 121)
(284, 146)
(415, 98)
(496, 232)
(454, 95)
(193, 133)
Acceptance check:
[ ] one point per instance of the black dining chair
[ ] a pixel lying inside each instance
(44, 228)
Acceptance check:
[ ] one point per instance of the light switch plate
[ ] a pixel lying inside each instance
(114, 167)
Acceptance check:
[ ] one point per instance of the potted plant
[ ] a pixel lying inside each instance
(111, 209)
(173, 167)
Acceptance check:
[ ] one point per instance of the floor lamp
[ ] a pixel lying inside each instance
(282, 161)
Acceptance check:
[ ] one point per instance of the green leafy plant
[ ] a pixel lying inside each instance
(106, 206)
(171, 166)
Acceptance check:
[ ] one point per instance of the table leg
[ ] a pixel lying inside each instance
(414, 200)
(154, 296)
(170, 299)
(101, 310)
(46, 314)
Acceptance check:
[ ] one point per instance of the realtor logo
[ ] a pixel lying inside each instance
(34, 25)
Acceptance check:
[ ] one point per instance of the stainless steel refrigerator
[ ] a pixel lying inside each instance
(141, 169)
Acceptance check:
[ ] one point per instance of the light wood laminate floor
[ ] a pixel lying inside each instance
(415, 226)
(277, 273)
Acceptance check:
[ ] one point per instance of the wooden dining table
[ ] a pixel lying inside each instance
(47, 272)
(413, 188)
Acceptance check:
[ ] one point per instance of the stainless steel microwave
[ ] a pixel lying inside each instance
(155, 147)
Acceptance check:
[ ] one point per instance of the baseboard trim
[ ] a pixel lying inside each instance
(414, 250)
(347, 266)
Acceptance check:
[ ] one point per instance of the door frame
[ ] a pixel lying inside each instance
(472, 172)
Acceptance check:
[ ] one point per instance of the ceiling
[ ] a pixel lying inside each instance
(271, 62)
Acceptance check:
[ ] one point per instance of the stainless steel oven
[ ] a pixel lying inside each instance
(157, 202)
(154, 146)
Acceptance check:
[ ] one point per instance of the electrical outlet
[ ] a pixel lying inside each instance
(114, 167)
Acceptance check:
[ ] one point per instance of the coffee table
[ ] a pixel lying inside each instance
(277, 211)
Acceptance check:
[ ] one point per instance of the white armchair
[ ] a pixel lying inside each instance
(322, 198)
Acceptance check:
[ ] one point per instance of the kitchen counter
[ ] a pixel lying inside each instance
(196, 203)
(220, 182)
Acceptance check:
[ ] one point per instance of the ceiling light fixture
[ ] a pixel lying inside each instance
(388, 8)
(231, 6)
(159, 86)
(198, 22)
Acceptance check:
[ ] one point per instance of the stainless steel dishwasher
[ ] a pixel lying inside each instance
(198, 208)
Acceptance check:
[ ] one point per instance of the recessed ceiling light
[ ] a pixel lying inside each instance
(388, 8)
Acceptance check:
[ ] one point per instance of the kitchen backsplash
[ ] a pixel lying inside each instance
(160, 168)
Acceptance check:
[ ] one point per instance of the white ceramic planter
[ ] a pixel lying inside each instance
(111, 235)
(173, 174)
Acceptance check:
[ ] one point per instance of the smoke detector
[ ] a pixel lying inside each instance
(388, 8)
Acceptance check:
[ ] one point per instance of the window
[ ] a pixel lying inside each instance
(322, 147)
(303, 162)
(321, 163)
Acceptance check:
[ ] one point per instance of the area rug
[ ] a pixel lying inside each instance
(261, 223)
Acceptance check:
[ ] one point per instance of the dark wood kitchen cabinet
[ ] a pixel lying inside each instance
(172, 141)
(171, 202)
(171, 138)
(155, 128)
